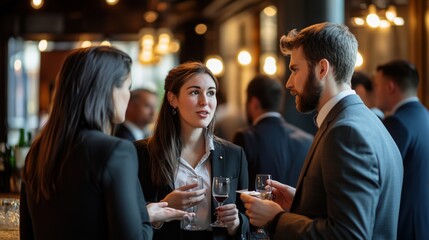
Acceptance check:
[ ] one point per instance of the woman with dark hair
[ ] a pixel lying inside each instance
(79, 182)
(183, 145)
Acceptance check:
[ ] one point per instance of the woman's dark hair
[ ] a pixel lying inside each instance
(83, 98)
(165, 145)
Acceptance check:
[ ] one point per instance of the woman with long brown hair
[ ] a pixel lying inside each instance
(80, 182)
(183, 144)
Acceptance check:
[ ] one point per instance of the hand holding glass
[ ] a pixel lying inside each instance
(262, 186)
(220, 191)
(265, 193)
(193, 226)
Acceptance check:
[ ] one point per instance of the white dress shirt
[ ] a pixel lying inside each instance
(330, 104)
(203, 169)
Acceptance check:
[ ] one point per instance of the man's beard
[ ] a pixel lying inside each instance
(309, 98)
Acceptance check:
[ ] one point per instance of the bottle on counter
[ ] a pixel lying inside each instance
(4, 174)
(21, 149)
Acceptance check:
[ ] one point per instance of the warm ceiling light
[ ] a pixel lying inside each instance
(384, 24)
(270, 65)
(270, 11)
(359, 60)
(112, 2)
(17, 65)
(174, 46)
(215, 64)
(36, 4)
(375, 19)
(150, 16)
(105, 43)
(86, 44)
(43, 45)
(398, 21)
(391, 13)
(244, 57)
(200, 29)
(359, 21)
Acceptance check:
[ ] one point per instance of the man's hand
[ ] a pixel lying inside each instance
(260, 212)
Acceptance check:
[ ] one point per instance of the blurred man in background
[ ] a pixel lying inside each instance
(272, 145)
(407, 120)
(363, 86)
(140, 114)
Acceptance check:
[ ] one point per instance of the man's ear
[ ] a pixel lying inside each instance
(172, 100)
(391, 86)
(254, 103)
(322, 68)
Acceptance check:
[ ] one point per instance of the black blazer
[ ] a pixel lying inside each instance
(122, 131)
(409, 127)
(98, 197)
(275, 147)
(227, 160)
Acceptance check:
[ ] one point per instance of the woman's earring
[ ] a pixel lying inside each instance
(174, 111)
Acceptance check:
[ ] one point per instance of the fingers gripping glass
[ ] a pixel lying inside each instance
(265, 192)
(193, 226)
(220, 191)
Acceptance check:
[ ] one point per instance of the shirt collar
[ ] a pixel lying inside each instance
(265, 115)
(330, 104)
(135, 131)
(403, 102)
(209, 148)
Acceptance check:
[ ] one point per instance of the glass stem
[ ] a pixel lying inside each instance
(218, 206)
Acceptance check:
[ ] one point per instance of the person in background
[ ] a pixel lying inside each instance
(272, 145)
(183, 145)
(78, 181)
(351, 181)
(140, 113)
(363, 86)
(407, 120)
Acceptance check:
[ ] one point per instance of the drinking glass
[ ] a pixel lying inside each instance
(220, 191)
(193, 226)
(265, 192)
(262, 186)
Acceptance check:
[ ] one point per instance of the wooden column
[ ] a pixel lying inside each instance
(419, 49)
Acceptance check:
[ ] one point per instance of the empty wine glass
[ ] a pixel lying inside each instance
(262, 186)
(220, 191)
(193, 226)
(265, 192)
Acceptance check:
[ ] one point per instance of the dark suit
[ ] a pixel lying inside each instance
(350, 184)
(227, 160)
(275, 147)
(98, 195)
(409, 127)
(122, 131)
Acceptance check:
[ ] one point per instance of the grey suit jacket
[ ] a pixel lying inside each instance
(350, 184)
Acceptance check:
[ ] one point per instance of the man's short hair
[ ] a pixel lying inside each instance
(360, 78)
(402, 72)
(330, 41)
(268, 91)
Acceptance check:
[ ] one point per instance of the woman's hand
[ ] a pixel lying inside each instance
(181, 199)
(159, 213)
(228, 214)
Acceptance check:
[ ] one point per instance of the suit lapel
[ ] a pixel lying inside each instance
(343, 103)
(310, 153)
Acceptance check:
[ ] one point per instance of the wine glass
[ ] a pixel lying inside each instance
(220, 191)
(265, 193)
(193, 226)
(262, 186)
